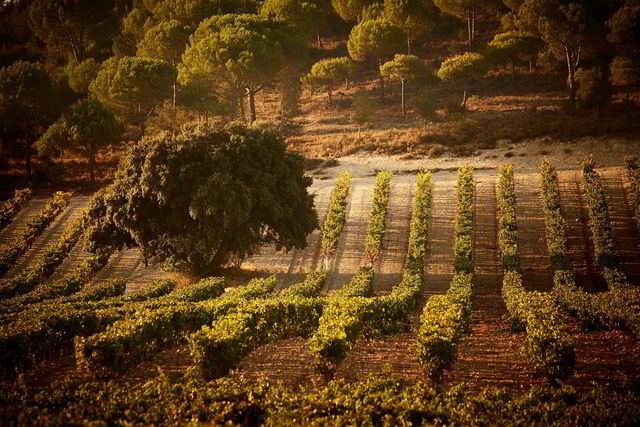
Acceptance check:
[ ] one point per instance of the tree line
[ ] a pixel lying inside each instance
(80, 75)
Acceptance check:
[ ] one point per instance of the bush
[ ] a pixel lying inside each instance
(594, 89)
(11, 207)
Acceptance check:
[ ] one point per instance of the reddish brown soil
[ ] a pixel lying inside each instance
(625, 231)
(534, 261)
(491, 355)
(579, 240)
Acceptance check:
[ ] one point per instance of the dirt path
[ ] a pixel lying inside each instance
(350, 256)
(388, 268)
(380, 356)
(288, 361)
(121, 265)
(625, 232)
(579, 240)
(20, 221)
(50, 235)
(490, 355)
(534, 261)
(439, 258)
(291, 267)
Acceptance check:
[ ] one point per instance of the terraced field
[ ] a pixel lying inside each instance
(490, 353)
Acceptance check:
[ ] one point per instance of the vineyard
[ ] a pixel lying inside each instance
(491, 278)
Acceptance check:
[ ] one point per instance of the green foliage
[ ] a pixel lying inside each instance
(594, 88)
(462, 8)
(512, 46)
(309, 288)
(446, 318)
(350, 10)
(374, 40)
(131, 339)
(418, 230)
(555, 231)
(633, 171)
(463, 243)
(363, 109)
(26, 280)
(626, 71)
(624, 25)
(508, 231)
(81, 75)
(239, 54)
(395, 400)
(212, 195)
(165, 41)
(600, 225)
(306, 16)
(336, 215)
(327, 73)
(550, 347)
(192, 12)
(79, 28)
(133, 87)
(219, 348)
(11, 207)
(34, 228)
(463, 67)
(415, 17)
(377, 220)
(407, 68)
(86, 128)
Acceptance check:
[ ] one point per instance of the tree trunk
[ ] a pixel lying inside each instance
(241, 104)
(404, 111)
(572, 79)
(252, 105)
(330, 97)
(469, 35)
(319, 42)
(381, 80)
(346, 82)
(464, 99)
(473, 28)
(92, 161)
(408, 44)
(223, 250)
(359, 129)
(28, 159)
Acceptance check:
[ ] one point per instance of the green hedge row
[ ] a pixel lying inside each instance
(387, 401)
(550, 347)
(128, 341)
(11, 207)
(507, 226)
(35, 227)
(27, 280)
(613, 309)
(349, 315)
(633, 171)
(219, 348)
(463, 245)
(47, 330)
(71, 283)
(606, 256)
(445, 318)
(555, 231)
(378, 216)
(336, 215)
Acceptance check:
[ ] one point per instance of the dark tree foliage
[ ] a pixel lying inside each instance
(29, 102)
(76, 29)
(205, 198)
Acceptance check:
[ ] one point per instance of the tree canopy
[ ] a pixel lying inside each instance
(327, 73)
(375, 40)
(133, 87)
(207, 197)
(239, 54)
(86, 128)
(29, 102)
(415, 17)
(469, 10)
(463, 68)
(350, 10)
(406, 68)
(306, 16)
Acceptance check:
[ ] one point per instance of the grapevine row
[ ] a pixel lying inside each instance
(605, 252)
(612, 309)
(446, 318)
(550, 347)
(345, 319)
(35, 227)
(27, 280)
(336, 215)
(633, 171)
(378, 216)
(11, 207)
